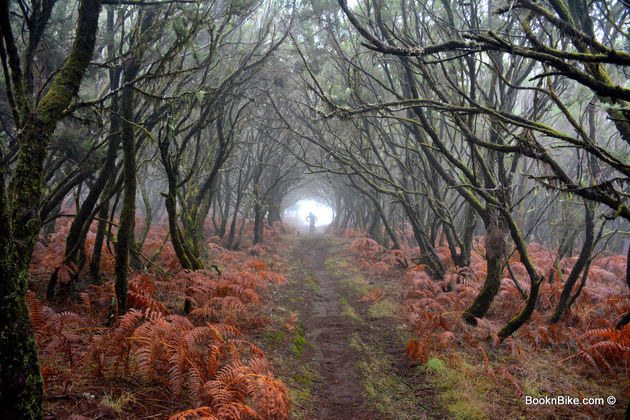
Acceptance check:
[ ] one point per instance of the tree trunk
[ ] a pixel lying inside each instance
(373, 230)
(470, 223)
(428, 255)
(21, 381)
(225, 213)
(480, 306)
(49, 228)
(259, 219)
(388, 228)
(125, 237)
(495, 251)
(534, 279)
(275, 204)
(232, 233)
(80, 225)
(580, 264)
(95, 263)
(523, 316)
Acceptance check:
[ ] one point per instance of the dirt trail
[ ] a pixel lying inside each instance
(340, 390)
(342, 358)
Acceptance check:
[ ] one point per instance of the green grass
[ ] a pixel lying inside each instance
(384, 390)
(382, 309)
(332, 263)
(120, 404)
(274, 337)
(463, 395)
(299, 380)
(348, 311)
(348, 275)
(311, 284)
(355, 282)
(435, 365)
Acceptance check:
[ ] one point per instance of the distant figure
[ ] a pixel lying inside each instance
(311, 219)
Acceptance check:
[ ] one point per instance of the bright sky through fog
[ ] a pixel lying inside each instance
(302, 208)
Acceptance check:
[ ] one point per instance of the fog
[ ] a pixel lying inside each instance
(302, 208)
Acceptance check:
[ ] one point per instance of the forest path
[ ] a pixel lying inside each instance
(342, 358)
(330, 331)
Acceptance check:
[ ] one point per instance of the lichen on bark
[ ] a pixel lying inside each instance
(21, 384)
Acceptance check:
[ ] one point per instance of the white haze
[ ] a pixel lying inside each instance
(302, 208)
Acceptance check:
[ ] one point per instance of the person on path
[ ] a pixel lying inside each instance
(311, 219)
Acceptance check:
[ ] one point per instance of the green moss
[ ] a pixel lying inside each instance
(299, 341)
(22, 362)
(480, 306)
(311, 284)
(346, 271)
(305, 380)
(298, 346)
(300, 398)
(336, 242)
(300, 394)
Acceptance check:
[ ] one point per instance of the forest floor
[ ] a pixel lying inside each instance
(342, 356)
(336, 335)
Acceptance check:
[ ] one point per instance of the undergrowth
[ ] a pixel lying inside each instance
(584, 355)
(205, 360)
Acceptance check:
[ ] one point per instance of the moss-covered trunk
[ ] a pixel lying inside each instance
(275, 205)
(373, 229)
(480, 306)
(125, 237)
(427, 249)
(21, 384)
(225, 210)
(259, 216)
(525, 314)
(80, 226)
(534, 280)
(495, 252)
(183, 249)
(95, 263)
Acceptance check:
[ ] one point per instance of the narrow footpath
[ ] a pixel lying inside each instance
(330, 331)
(342, 357)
